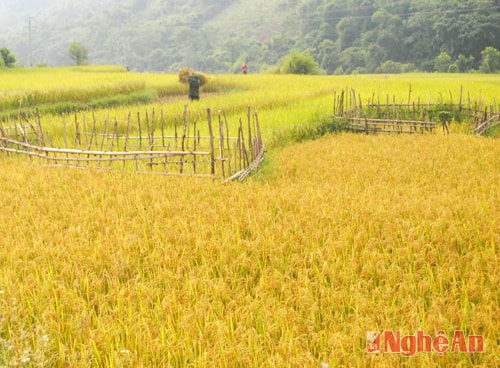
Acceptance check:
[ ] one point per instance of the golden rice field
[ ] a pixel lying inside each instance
(332, 238)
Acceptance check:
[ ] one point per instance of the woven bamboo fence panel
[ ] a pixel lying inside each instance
(410, 117)
(144, 143)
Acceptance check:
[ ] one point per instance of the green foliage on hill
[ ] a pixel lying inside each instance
(358, 36)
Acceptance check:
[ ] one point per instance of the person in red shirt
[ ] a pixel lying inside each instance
(244, 68)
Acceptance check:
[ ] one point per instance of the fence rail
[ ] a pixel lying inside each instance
(410, 117)
(485, 125)
(143, 145)
(368, 126)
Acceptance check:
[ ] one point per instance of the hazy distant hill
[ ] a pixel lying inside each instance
(143, 34)
(355, 36)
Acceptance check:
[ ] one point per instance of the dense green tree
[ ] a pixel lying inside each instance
(376, 56)
(442, 62)
(391, 45)
(349, 31)
(191, 47)
(297, 62)
(157, 60)
(418, 41)
(491, 60)
(277, 47)
(381, 17)
(466, 26)
(465, 63)
(7, 58)
(453, 68)
(309, 17)
(328, 55)
(352, 59)
(393, 67)
(78, 53)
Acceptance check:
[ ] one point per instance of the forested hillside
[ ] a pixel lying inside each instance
(353, 36)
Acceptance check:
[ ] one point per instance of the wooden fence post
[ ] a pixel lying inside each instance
(212, 149)
(249, 132)
(152, 131)
(77, 133)
(221, 147)
(228, 145)
(184, 124)
(162, 128)
(139, 136)
(194, 146)
(127, 133)
(259, 134)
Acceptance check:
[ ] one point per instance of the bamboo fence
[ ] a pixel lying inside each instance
(482, 126)
(142, 143)
(392, 116)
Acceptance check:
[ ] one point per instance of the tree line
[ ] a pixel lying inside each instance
(338, 36)
(403, 35)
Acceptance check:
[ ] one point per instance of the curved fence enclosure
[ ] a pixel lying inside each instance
(412, 117)
(142, 143)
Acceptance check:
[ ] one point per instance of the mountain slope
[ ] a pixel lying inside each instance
(151, 34)
(358, 36)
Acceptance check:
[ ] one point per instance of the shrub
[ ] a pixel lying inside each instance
(297, 62)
